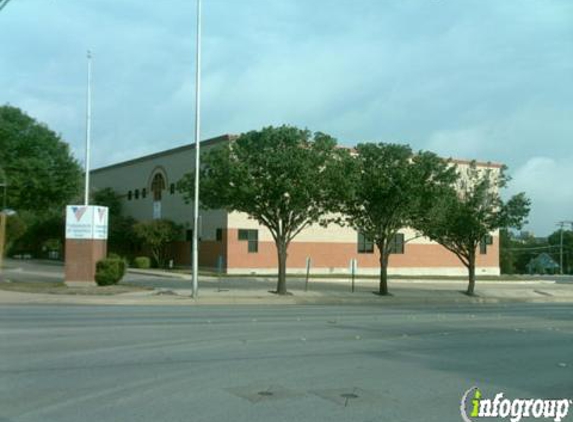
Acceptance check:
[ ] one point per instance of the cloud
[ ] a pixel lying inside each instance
(484, 79)
(547, 182)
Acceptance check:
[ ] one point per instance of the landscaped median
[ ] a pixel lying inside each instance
(404, 293)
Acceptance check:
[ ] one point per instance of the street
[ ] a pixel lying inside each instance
(262, 363)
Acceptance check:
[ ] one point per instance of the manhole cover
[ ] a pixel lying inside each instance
(265, 393)
(349, 396)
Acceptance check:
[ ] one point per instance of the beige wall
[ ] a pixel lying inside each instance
(138, 174)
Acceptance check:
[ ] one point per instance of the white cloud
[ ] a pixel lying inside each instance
(547, 182)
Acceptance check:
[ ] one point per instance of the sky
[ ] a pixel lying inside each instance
(490, 80)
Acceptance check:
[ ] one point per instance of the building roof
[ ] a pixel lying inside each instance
(206, 142)
(230, 137)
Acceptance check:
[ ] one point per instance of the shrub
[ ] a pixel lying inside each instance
(110, 270)
(142, 262)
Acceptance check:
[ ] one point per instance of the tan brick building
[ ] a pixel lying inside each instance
(147, 187)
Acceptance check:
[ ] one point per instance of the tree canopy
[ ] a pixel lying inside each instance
(279, 176)
(464, 215)
(156, 234)
(386, 188)
(39, 168)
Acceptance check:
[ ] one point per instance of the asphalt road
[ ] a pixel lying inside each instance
(252, 364)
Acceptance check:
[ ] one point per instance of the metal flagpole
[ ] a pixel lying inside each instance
(195, 246)
(88, 129)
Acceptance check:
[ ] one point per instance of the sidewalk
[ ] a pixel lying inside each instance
(402, 293)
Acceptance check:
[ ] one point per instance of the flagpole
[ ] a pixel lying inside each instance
(88, 130)
(195, 246)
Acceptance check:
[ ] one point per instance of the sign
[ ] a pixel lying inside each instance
(86, 222)
(156, 210)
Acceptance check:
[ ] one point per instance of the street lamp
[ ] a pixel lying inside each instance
(195, 246)
(3, 216)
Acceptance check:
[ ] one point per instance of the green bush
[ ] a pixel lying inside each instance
(110, 270)
(142, 262)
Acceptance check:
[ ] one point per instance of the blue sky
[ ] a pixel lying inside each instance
(484, 79)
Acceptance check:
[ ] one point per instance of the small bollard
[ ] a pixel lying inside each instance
(308, 262)
(353, 268)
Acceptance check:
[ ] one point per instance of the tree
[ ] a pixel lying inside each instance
(41, 172)
(121, 236)
(464, 215)
(279, 176)
(386, 188)
(156, 234)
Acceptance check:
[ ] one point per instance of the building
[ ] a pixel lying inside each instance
(147, 187)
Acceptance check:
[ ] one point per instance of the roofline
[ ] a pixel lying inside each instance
(206, 142)
(230, 137)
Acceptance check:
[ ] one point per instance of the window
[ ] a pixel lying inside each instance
(136, 193)
(487, 240)
(172, 188)
(219, 235)
(365, 245)
(252, 237)
(129, 195)
(189, 235)
(143, 193)
(157, 185)
(397, 244)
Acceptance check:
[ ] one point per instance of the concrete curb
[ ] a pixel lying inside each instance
(166, 297)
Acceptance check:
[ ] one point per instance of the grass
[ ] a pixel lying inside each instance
(59, 288)
(503, 277)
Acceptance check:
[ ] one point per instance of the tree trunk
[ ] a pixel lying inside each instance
(282, 257)
(383, 273)
(472, 275)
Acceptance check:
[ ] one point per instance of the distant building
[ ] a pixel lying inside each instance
(147, 188)
(542, 264)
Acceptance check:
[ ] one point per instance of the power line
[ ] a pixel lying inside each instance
(3, 3)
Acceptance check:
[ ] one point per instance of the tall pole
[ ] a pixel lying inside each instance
(195, 246)
(561, 251)
(88, 129)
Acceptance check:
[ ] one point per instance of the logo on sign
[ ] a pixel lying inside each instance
(101, 213)
(79, 212)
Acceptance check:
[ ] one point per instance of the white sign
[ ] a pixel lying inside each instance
(86, 222)
(156, 210)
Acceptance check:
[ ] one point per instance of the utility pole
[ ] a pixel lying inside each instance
(561, 224)
(195, 246)
(3, 217)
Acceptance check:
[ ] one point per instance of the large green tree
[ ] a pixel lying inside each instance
(41, 172)
(465, 215)
(279, 176)
(386, 188)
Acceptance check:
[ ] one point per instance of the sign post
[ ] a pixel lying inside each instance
(86, 242)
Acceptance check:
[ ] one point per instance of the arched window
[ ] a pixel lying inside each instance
(157, 185)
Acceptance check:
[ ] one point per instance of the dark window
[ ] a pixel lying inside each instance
(189, 235)
(397, 244)
(136, 193)
(143, 193)
(365, 245)
(129, 194)
(172, 188)
(219, 235)
(157, 186)
(487, 240)
(252, 237)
